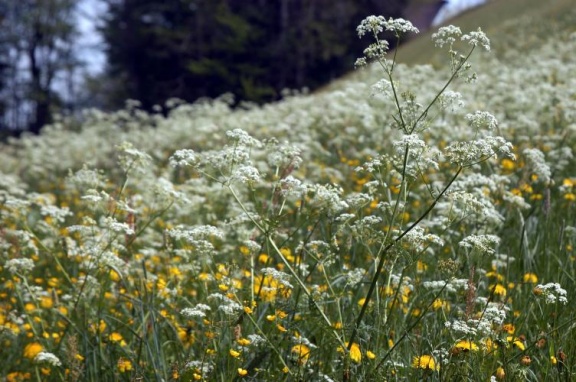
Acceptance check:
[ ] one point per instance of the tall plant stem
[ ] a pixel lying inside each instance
(383, 257)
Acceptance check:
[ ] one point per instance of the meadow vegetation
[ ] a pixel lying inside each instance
(412, 224)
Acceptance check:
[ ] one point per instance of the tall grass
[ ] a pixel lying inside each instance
(420, 228)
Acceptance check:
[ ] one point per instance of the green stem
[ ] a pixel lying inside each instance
(386, 249)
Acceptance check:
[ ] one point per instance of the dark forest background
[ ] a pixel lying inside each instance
(161, 49)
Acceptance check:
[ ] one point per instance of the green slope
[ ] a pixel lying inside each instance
(495, 18)
(504, 21)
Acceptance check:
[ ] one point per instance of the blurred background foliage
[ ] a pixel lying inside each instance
(186, 49)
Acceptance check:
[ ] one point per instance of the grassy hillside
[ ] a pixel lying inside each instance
(503, 20)
(409, 223)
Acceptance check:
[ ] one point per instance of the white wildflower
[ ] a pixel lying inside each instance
(536, 161)
(281, 277)
(383, 87)
(116, 226)
(49, 358)
(355, 276)
(290, 186)
(400, 26)
(256, 339)
(460, 326)
(482, 120)
(20, 266)
(245, 174)
(446, 36)
(371, 24)
(481, 243)
(184, 157)
(451, 100)
(552, 293)
(132, 158)
(243, 138)
(198, 311)
(477, 38)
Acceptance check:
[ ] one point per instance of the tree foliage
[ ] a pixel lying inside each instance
(36, 52)
(203, 48)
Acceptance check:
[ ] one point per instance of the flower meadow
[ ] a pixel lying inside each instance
(413, 223)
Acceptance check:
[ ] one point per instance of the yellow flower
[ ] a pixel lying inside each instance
(243, 341)
(114, 276)
(530, 278)
(302, 352)
(234, 353)
(508, 164)
(421, 266)
(515, 341)
(355, 352)
(242, 372)
(440, 304)
(490, 345)
(115, 337)
(498, 289)
(370, 355)
(425, 362)
(500, 374)
(466, 345)
(124, 365)
(46, 302)
(509, 328)
(32, 350)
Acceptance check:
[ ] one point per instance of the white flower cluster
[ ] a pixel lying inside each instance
(418, 239)
(371, 24)
(115, 226)
(198, 311)
(400, 26)
(131, 158)
(477, 38)
(536, 161)
(482, 120)
(49, 358)
(20, 265)
(452, 286)
(226, 305)
(328, 197)
(481, 243)
(552, 293)
(200, 237)
(355, 276)
(448, 35)
(475, 151)
(203, 367)
(184, 157)
(451, 100)
(281, 277)
(241, 137)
